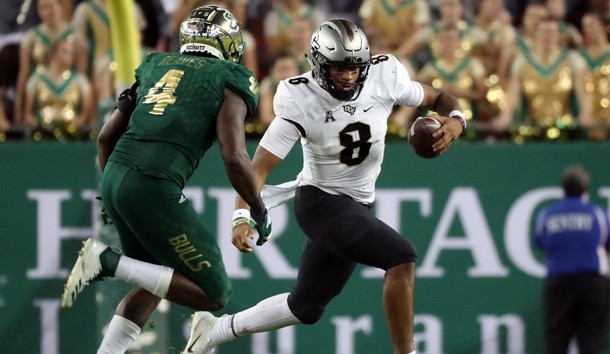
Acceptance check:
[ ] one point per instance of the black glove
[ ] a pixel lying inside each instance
(127, 100)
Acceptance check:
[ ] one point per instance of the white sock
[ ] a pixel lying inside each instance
(120, 334)
(151, 277)
(269, 314)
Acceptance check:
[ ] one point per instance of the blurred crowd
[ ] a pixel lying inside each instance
(523, 70)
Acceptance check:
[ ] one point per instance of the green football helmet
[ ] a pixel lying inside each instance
(212, 31)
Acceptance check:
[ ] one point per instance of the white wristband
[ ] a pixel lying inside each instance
(459, 115)
(240, 216)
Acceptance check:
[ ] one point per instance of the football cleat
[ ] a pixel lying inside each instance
(87, 269)
(200, 340)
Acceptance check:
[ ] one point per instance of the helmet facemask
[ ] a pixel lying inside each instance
(339, 43)
(334, 87)
(212, 31)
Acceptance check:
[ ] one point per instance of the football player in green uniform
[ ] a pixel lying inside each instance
(148, 150)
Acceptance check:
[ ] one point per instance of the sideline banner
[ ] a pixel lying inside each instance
(469, 212)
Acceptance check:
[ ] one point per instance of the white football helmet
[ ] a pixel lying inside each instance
(339, 42)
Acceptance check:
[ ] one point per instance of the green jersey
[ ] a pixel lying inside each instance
(174, 122)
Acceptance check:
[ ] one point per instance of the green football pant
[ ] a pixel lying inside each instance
(156, 224)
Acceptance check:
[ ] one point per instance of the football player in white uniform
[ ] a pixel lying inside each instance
(339, 112)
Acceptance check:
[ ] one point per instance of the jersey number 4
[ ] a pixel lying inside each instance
(162, 93)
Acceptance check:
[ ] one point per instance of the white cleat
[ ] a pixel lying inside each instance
(200, 340)
(87, 268)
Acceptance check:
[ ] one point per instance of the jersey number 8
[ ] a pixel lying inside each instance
(355, 138)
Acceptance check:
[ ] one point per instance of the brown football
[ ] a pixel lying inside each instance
(420, 136)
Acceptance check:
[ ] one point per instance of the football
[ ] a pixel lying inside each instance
(420, 136)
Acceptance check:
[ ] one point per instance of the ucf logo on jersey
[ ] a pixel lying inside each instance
(349, 109)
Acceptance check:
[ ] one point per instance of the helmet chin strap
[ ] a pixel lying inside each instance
(344, 83)
(341, 94)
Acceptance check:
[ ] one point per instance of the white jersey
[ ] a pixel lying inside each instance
(343, 141)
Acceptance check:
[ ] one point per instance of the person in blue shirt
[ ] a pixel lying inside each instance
(573, 234)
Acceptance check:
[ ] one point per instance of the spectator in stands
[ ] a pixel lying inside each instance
(5, 124)
(394, 21)
(597, 57)
(570, 37)
(573, 234)
(278, 21)
(36, 43)
(451, 12)
(401, 116)
(285, 66)
(58, 98)
(155, 17)
(9, 68)
(104, 76)
(463, 77)
(91, 22)
(182, 9)
(239, 9)
(546, 78)
(340, 9)
(533, 13)
(300, 31)
(493, 33)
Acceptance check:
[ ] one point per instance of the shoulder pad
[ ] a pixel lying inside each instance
(284, 103)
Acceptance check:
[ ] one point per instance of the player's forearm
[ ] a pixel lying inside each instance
(263, 162)
(105, 145)
(242, 179)
(109, 136)
(4, 122)
(445, 103)
(102, 158)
